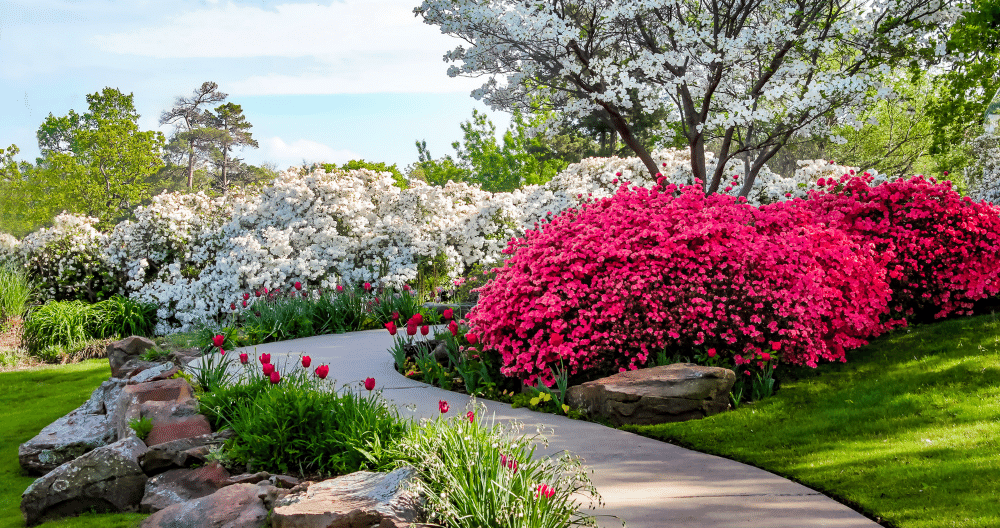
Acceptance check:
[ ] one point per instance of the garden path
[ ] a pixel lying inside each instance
(647, 483)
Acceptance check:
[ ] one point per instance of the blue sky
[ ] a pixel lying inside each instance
(319, 81)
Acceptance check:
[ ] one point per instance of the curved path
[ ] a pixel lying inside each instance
(647, 483)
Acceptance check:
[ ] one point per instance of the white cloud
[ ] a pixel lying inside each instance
(356, 46)
(285, 155)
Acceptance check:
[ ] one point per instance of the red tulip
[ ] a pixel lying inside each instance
(453, 328)
(391, 327)
(265, 291)
(322, 371)
(265, 358)
(268, 369)
(418, 319)
(471, 338)
(244, 358)
(369, 383)
(368, 286)
(377, 301)
(544, 490)
(306, 360)
(411, 329)
(232, 306)
(711, 352)
(448, 313)
(222, 352)
(275, 377)
(298, 285)
(406, 287)
(244, 304)
(765, 356)
(305, 294)
(218, 340)
(395, 316)
(256, 293)
(471, 416)
(340, 288)
(246, 296)
(424, 330)
(443, 406)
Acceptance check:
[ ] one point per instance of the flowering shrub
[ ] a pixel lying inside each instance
(984, 176)
(8, 248)
(944, 249)
(609, 283)
(68, 260)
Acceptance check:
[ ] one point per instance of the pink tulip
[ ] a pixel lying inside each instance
(471, 416)
(275, 377)
(443, 406)
(340, 288)
(368, 286)
(544, 491)
(369, 383)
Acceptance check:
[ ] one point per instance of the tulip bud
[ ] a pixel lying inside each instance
(306, 360)
(424, 330)
(244, 358)
(369, 383)
(298, 285)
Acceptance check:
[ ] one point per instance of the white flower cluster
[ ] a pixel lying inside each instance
(8, 247)
(985, 175)
(194, 256)
(68, 258)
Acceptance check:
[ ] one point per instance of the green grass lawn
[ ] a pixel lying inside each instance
(29, 401)
(907, 431)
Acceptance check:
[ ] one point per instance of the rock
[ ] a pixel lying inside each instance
(135, 367)
(181, 453)
(670, 393)
(107, 479)
(181, 485)
(80, 431)
(359, 499)
(161, 401)
(185, 355)
(157, 372)
(284, 481)
(249, 478)
(440, 353)
(173, 428)
(120, 352)
(236, 506)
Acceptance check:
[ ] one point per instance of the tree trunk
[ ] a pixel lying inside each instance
(696, 140)
(191, 170)
(626, 133)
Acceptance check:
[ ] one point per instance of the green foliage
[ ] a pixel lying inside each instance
(58, 323)
(302, 425)
(517, 161)
(400, 180)
(155, 354)
(485, 475)
(141, 426)
(213, 371)
(102, 154)
(33, 196)
(122, 317)
(32, 399)
(16, 291)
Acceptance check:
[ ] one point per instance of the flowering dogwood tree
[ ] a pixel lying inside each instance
(750, 74)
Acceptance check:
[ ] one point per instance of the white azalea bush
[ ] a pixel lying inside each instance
(8, 248)
(68, 260)
(196, 256)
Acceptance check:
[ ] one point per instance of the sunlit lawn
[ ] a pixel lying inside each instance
(906, 431)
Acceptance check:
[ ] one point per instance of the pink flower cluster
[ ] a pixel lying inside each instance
(609, 284)
(943, 249)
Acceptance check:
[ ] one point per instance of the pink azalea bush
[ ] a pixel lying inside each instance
(608, 284)
(943, 249)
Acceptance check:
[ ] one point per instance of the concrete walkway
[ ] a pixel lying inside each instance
(644, 482)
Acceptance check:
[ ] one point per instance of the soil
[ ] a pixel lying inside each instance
(10, 334)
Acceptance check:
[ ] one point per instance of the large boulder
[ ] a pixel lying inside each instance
(670, 393)
(169, 404)
(120, 352)
(236, 506)
(107, 479)
(359, 499)
(181, 485)
(82, 430)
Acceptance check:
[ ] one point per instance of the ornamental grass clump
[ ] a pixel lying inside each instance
(58, 324)
(605, 286)
(943, 249)
(477, 475)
